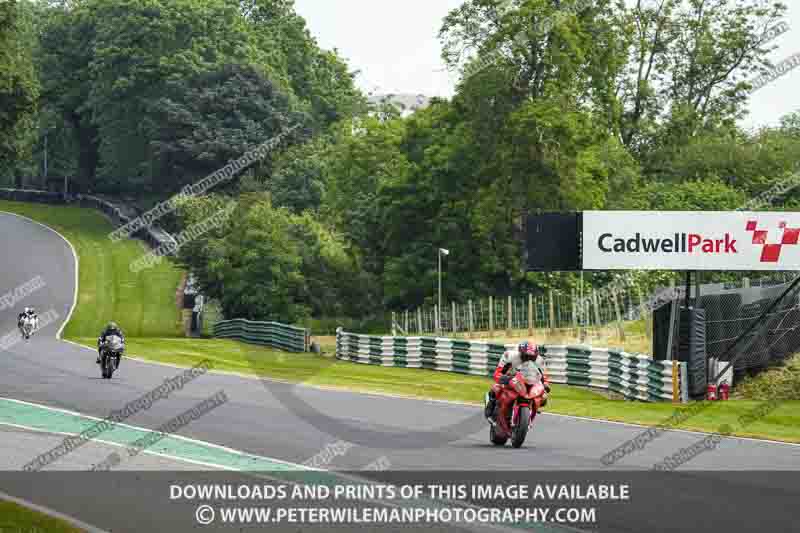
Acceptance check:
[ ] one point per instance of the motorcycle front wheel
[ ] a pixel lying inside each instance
(107, 367)
(519, 433)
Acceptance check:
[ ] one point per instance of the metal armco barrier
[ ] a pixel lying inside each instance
(633, 376)
(119, 214)
(273, 334)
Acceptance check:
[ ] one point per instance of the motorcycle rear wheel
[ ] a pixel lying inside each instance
(519, 433)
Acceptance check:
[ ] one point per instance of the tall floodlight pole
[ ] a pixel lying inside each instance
(439, 310)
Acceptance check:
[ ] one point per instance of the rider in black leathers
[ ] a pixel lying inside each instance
(29, 312)
(111, 329)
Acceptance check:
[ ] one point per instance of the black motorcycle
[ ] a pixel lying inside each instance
(112, 352)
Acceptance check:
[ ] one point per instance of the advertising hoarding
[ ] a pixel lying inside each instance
(690, 240)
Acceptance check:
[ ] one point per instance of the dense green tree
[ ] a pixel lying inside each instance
(431, 206)
(318, 77)
(697, 195)
(690, 67)
(334, 282)
(19, 87)
(213, 118)
(368, 154)
(140, 47)
(266, 263)
(299, 176)
(537, 94)
(145, 85)
(790, 124)
(251, 265)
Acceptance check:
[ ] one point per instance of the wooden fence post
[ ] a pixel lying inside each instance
(530, 315)
(645, 315)
(454, 316)
(510, 324)
(552, 313)
(419, 320)
(574, 312)
(491, 317)
(471, 320)
(619, 315)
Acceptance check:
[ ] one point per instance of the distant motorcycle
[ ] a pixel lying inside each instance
(112, 351)
(528, 396)
(28, 326)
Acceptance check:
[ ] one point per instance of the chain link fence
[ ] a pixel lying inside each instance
(613, 317)
(620, 315)
(737, 308)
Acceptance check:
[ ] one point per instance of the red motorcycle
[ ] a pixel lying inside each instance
(526, 397)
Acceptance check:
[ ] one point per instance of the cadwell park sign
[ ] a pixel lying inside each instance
(690, 240)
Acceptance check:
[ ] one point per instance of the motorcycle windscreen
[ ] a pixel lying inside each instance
(115, 343)
(530, 373)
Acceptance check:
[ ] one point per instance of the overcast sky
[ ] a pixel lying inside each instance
(394, 44)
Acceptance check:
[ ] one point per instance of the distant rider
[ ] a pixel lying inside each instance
(29, 312)
(526, 353)
(111, 329)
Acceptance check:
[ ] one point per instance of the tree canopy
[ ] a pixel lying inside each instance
(561, 105)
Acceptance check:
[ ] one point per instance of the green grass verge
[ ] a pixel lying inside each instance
(15, 517)
(778, 383)
(781, 424)
(142, 303)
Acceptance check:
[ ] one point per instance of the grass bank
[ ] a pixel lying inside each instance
(780, 383)
(142, 303)
(15, 517)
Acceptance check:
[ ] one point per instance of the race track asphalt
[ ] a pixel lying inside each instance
(294, 423)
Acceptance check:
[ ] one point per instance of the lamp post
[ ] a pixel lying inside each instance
(439, 310)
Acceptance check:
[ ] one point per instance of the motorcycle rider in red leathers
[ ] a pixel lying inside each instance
(512, 360)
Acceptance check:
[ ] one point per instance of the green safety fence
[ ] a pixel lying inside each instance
(274, 334)
(633, 376)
